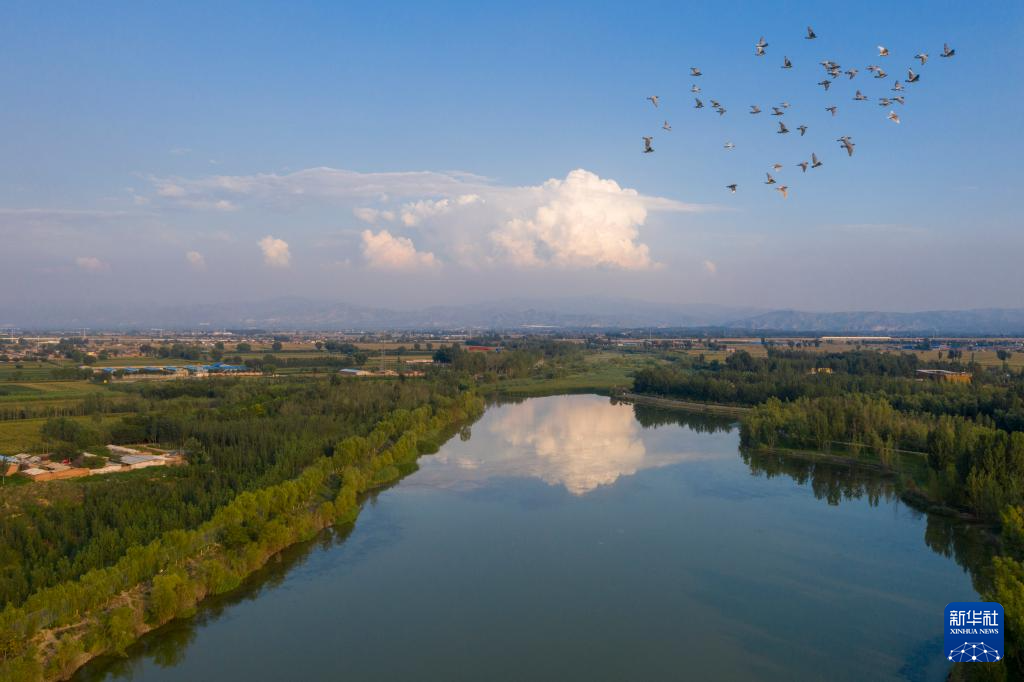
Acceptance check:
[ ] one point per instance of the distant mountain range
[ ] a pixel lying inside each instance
(978, 322)
(565, 313)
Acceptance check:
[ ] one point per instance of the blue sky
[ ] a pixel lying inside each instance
(149, 152)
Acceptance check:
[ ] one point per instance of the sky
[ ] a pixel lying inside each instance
(407, 154)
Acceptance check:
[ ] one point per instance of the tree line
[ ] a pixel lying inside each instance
(170, 573)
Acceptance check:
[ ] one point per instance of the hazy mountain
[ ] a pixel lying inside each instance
(299, 313)
(989, 321)
(576, 313)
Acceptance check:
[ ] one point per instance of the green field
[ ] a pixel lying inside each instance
(602, 373)
(47, 390)
(29, 371)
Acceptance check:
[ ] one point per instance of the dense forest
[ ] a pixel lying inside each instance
(269, 463)
(787, 375)
(239, 436)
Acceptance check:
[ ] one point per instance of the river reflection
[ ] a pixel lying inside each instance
(579, 442)
(574, 537)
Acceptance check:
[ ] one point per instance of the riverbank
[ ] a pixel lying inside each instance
(909, 493)
(59, 629)
(670, 403)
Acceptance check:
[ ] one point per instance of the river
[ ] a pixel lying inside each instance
(574, 538)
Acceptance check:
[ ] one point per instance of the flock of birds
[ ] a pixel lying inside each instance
(833, 72)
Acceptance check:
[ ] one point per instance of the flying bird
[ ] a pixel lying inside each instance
(754, 109)
(899, 99)
(694, 71)
(786, 64)
(846, 143)
(777, 112)
(729, 146)
(814, 160)
(770, 180)
(883, 51)
(803, 166)
(731, 188)
(759, 47)
(810, 34)
(777, 166)
(833, 109)
(802, 129)
(666, 126)
(860, 96)
(893, 117)
(699, 104)
(784, 105)
(694, 88)
(654, 100)
(783, 189)
(782, 128)
(825, 84)
(923, 56)
(897, 86)
(912, 77)
(721, 111)
(946, 50)
(851, 73)
(879, 73)
(715, 104)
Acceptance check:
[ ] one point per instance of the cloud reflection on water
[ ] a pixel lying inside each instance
(578, 442)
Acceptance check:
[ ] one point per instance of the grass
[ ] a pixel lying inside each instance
(600, 374)
(29, 371)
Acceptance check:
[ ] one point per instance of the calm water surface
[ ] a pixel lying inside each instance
(573, 538)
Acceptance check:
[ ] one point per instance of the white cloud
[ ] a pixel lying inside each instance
(320, 183)
(304, 186)
(169, 190)
(711, 266)
(388, 252)
(373, 215)
(580, 443)
(91, 264)
(582, 221)
(275, 252)
(414, 213)
(196, 260)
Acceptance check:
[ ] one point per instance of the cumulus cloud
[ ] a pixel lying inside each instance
(91, 264)
(582, 221)
(711, 266)
(275, 252)
(320, 184)
(385, 251)
(196, 260)
(579, 221)
(579, 442)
